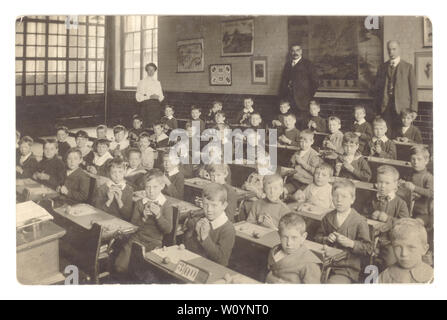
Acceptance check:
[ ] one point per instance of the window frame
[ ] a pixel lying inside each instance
(47, 20)
(141, 49)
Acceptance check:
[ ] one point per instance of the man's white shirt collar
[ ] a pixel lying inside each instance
(405, 129)
(294, 62)
(219, 221)
(395, 61)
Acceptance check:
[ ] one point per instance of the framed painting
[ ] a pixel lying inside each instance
(237, 37)
(259, 70)
(190, 56)
(220, 75)
(424, 69)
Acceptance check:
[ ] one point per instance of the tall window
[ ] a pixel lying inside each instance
(139, 37)
(56, 58)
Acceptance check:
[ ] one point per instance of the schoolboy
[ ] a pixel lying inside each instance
(334, 140)
(134, 171)
(243, 116)
(289, 135)
(218, 174)
(81, 139)
(313, 121)
(361, 127)
(77, 183)
(120, 143)
(51, 170)
(174, 178)
(168, 120)
(102, 156)
(284, 107)
(159, 138)
(135, 131)
(407, 132)
(26, 162)
(380, 145)
(63, 145)
(196, 112)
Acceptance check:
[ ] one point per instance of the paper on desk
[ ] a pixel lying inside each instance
(28, 213)
(82, 209)
(250, 228)
(175, 254)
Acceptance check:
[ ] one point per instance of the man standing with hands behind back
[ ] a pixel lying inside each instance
(395, 88)
(299, 82)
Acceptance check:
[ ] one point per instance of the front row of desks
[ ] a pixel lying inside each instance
(198, 269)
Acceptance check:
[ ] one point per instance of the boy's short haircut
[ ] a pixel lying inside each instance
(378, 121)
(255, 114)
(188, 124)
(292, 220)
(26, 139)
(81, 134)
(344, 184)
(73, 150)
(272, 178)
(101, 127)
(215, 192)
(336, 119)
(118, 128)
(388, 170)
(307, 132)
(350, 137)
(152, 174)
(51, 141)
(248, 98)
(405, 227)
(117, 162)
(103, 141)
(219, 103)
(218, 167)
(314, 103)
(360, 107)
(405, 112)
(169, 106)
(137, 117)
(284, 101)
(195, 107)
(62, 128)
(133, 150)
(422, 150)
(291, 115)
(325, 166)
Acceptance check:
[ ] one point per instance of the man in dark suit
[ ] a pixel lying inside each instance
(299, 82)
(395, 87)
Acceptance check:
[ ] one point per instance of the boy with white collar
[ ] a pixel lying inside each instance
(305, 161)
(212, 236)
(215, 108)
(243, 116)
(351, 164)
(345, 229)
(289, 134)
(174, 178)
(115, 196)
(153, 216)
(361, 127)
(134, 171)
(101, 157)
(387, 207)
(380, 145)
(407, 132)
(51, 170)
(77, 183)
(120, 143)
(26, 163)
(159, 138)
(284, 107)
(168, 120)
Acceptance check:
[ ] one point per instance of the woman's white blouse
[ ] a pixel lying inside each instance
(148, 87)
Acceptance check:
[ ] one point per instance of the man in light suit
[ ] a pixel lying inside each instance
(299, 82)
(395, 87)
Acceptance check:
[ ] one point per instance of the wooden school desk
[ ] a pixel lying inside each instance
(309, 211)
(195, 186)
(404, 167)
(184, 266)
(37, 250)
(404, 149)
(85, 215)
(250, 253)
(29, 189)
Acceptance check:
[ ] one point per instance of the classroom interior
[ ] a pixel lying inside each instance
(82, 71)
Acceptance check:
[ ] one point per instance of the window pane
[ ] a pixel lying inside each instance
(72, 77)
(30, 66)
(100, 87)
(137, 40)
(52, 28)
(136, 59)
(30, 78)
(52, 40)
(82, 18)
(92, 87)
(61, 52)
(41, 27)
(61, 77)
(19, 78)
(81, 88)
(62, 40)
(40, 90)
(40, 52)
(100, 66)
(51, 89)
(92, 53)
(19, 66)
(91, 66)
(137, 23)
(30, 39)
(81, 77)
(81, 52)
(72, 89)
(100, 42)
(19, 38)
(136, 76)
(31, 27)
(81, 65)
(100, 31)
(40, 66)
(61, 66)
(18, 91)
(61, 89)
(72, 41)
(30, 90)
(128, 78)
(155, 39)
(92, 31)
(128, 42)
(148, 39)
(147, 57)
(82, 30)
(128, 60)
(82, 41)
(19, 51)
(100, 76)
(40, 77)
(91, 42)
(72, 66)
(149, 22)
(40, 40)
(52, 65)
(100, 53)
(61, 29)
(72, 52)
(129, 23)
(52, 51)
(52, 77)
(19, 26)
(92, 77)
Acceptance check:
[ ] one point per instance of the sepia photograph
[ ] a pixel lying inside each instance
(216, 149)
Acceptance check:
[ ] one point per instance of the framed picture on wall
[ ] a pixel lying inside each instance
(259, 70)
(424, 69)
(428, 33)
(190, 56)
(237, 37)
(220, 75)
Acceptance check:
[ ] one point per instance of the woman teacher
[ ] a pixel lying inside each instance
(149, 95)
